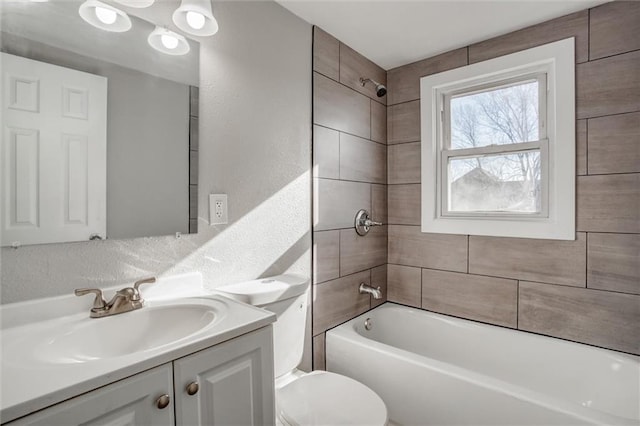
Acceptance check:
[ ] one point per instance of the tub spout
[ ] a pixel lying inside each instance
(375, 292)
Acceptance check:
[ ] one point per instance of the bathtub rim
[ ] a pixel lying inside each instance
(347, 332)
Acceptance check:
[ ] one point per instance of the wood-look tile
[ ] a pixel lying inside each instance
(379, 203)
(326, 256)
(404, 285)
(379, 279)
(403, 163)
(614, 144)
(326, 153)
(326, 54)
(581, 147)
(404, 81)
(609, 203)
(340, 108)
(358, 253)
(403, 123)
(486, 299)
(319, 348)
(613, 262)
(338, 301)
(353, 66)
(337, 202)
(602, 318)
(362, 160)
(404, 204)
(193, 167)
(549, 261)
(614, 28)
(574, 25)
(378, 122)
(608, 86)
(411, 247)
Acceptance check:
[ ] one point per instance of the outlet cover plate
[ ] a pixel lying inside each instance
(218, 209)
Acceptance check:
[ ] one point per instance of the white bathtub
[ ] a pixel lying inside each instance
(433, 369)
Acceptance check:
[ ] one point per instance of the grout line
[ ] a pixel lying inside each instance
(349, 180)
(610, 56)
(339, 156)
(612, 174)
(635, 111)
(404, 102)
(586, 262)
(350, 134)
(586, 145)
(588, 34)
(517, 304)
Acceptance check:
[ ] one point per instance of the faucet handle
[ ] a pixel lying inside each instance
(138, 283)
(98, 302)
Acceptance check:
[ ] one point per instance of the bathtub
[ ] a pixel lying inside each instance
(433, 369)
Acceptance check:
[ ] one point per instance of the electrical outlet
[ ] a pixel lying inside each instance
(218, 211)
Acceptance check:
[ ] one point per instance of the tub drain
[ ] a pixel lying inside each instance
(368, 324)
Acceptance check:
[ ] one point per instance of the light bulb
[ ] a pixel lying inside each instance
(195, 20)
(106, 16)
(169, 41)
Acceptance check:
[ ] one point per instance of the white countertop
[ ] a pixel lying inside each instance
(29, 384)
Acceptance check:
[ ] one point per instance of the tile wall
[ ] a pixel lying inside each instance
(350, 173)
(587, 290)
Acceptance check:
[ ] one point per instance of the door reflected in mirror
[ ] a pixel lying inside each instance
(99, 129)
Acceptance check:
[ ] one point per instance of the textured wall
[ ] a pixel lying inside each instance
(350, 173)
(255, 145)
(587, 290)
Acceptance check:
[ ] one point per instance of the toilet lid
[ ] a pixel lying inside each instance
(323, 398)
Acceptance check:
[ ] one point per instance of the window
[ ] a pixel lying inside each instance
(498, 146)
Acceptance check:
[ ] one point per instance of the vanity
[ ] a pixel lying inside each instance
(193, 360)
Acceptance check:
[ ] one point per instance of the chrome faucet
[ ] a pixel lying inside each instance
(125, 300)
(367, 289)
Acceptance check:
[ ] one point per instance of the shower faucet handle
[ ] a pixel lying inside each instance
(363, 223)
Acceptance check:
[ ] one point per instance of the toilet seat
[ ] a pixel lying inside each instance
(323, 398)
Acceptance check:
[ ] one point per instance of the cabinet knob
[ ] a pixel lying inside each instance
(192, 388)
(163, 401)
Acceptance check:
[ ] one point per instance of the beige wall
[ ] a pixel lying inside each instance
(587, 290)
(350, 173)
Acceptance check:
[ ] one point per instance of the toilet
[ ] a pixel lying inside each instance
(316, 398)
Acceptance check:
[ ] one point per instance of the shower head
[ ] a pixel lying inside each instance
(381, 89)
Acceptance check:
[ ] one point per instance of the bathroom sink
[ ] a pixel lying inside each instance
(80, 339)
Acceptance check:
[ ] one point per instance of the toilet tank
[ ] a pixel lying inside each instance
(285, 296)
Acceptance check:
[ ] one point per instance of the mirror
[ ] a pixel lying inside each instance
(100, 130)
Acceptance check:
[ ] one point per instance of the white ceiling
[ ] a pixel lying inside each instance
(393, 33)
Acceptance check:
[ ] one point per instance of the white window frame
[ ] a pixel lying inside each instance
(553, 65)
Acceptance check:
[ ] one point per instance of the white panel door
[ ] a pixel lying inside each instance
(235, 384)
(54, 153)
(129, 402)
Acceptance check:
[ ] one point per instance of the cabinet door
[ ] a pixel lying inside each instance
(131, 401)
(235, 383)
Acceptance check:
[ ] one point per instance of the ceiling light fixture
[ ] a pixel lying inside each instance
(136, 3)
(169, 42)
(104, 16)
(196, 17)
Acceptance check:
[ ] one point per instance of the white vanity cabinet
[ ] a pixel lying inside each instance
(132, 401)
(231, 384)
(228, 384)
